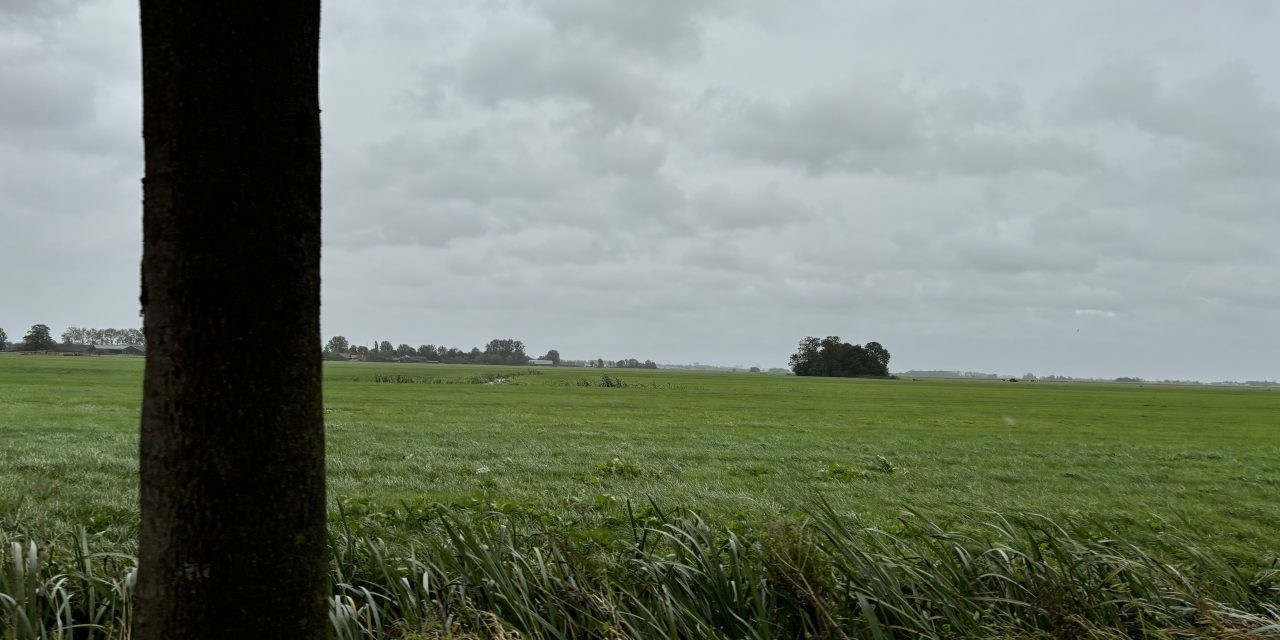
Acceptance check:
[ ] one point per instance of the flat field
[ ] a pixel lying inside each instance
(742, 449)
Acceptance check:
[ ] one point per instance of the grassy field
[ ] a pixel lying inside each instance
(508, 502)
(742, 449)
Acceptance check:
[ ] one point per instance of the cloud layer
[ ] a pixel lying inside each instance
(1058, 190)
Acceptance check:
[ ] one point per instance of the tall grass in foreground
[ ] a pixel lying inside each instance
(678, 577)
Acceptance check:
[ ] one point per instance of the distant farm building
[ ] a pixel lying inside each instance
(103, 349)
(541, 363)
(409, 359)
(118, 350)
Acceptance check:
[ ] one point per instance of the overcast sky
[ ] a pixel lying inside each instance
(1078, 188)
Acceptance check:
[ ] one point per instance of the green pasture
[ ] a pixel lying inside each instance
(743, 449)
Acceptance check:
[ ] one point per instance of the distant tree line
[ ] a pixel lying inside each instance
(40, 338)
(625, 363)
(506, 351)
(831, 357)
(920, 373)
(497, 351)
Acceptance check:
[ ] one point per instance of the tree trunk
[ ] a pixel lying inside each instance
(232, 541)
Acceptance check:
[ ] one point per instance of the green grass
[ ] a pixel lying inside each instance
(742, 449)
(545, 503)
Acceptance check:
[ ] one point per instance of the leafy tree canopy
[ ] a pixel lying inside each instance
(38, 339)
(831, 357)
(505, 351)
(89, 335)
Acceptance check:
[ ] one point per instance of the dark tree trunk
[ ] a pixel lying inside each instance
(232, 542)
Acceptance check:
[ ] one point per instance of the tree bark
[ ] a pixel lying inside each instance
(232, 541)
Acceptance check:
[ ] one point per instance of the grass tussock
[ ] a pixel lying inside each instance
(676, 576)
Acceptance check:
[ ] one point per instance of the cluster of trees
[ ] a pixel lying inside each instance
(497, 351)
(116, 337)
(831, 357)
(37, 339)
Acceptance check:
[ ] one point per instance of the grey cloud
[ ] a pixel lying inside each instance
(1230, 200)
(470, 165)
(718, 256)
(23, 12)
(1120, 90)
(1009, 248)
(70, 84)
(974, 105)
(65, 191)
(721, 208)
(624, 151)
(659, 27)
(1181, 241)
(883, 293)
(44, 95)
(1252, 289)
(1101, 230)
(431, 189)
(650, 198)
(558, 246)
(992, 154)
(876, 127)
(1223, 110)
(530, 64)
(862, 126)
(382, 222)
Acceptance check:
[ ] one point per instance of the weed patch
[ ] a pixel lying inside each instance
(613, 382)
(837, 471)
(619, 467)
(488, 377)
